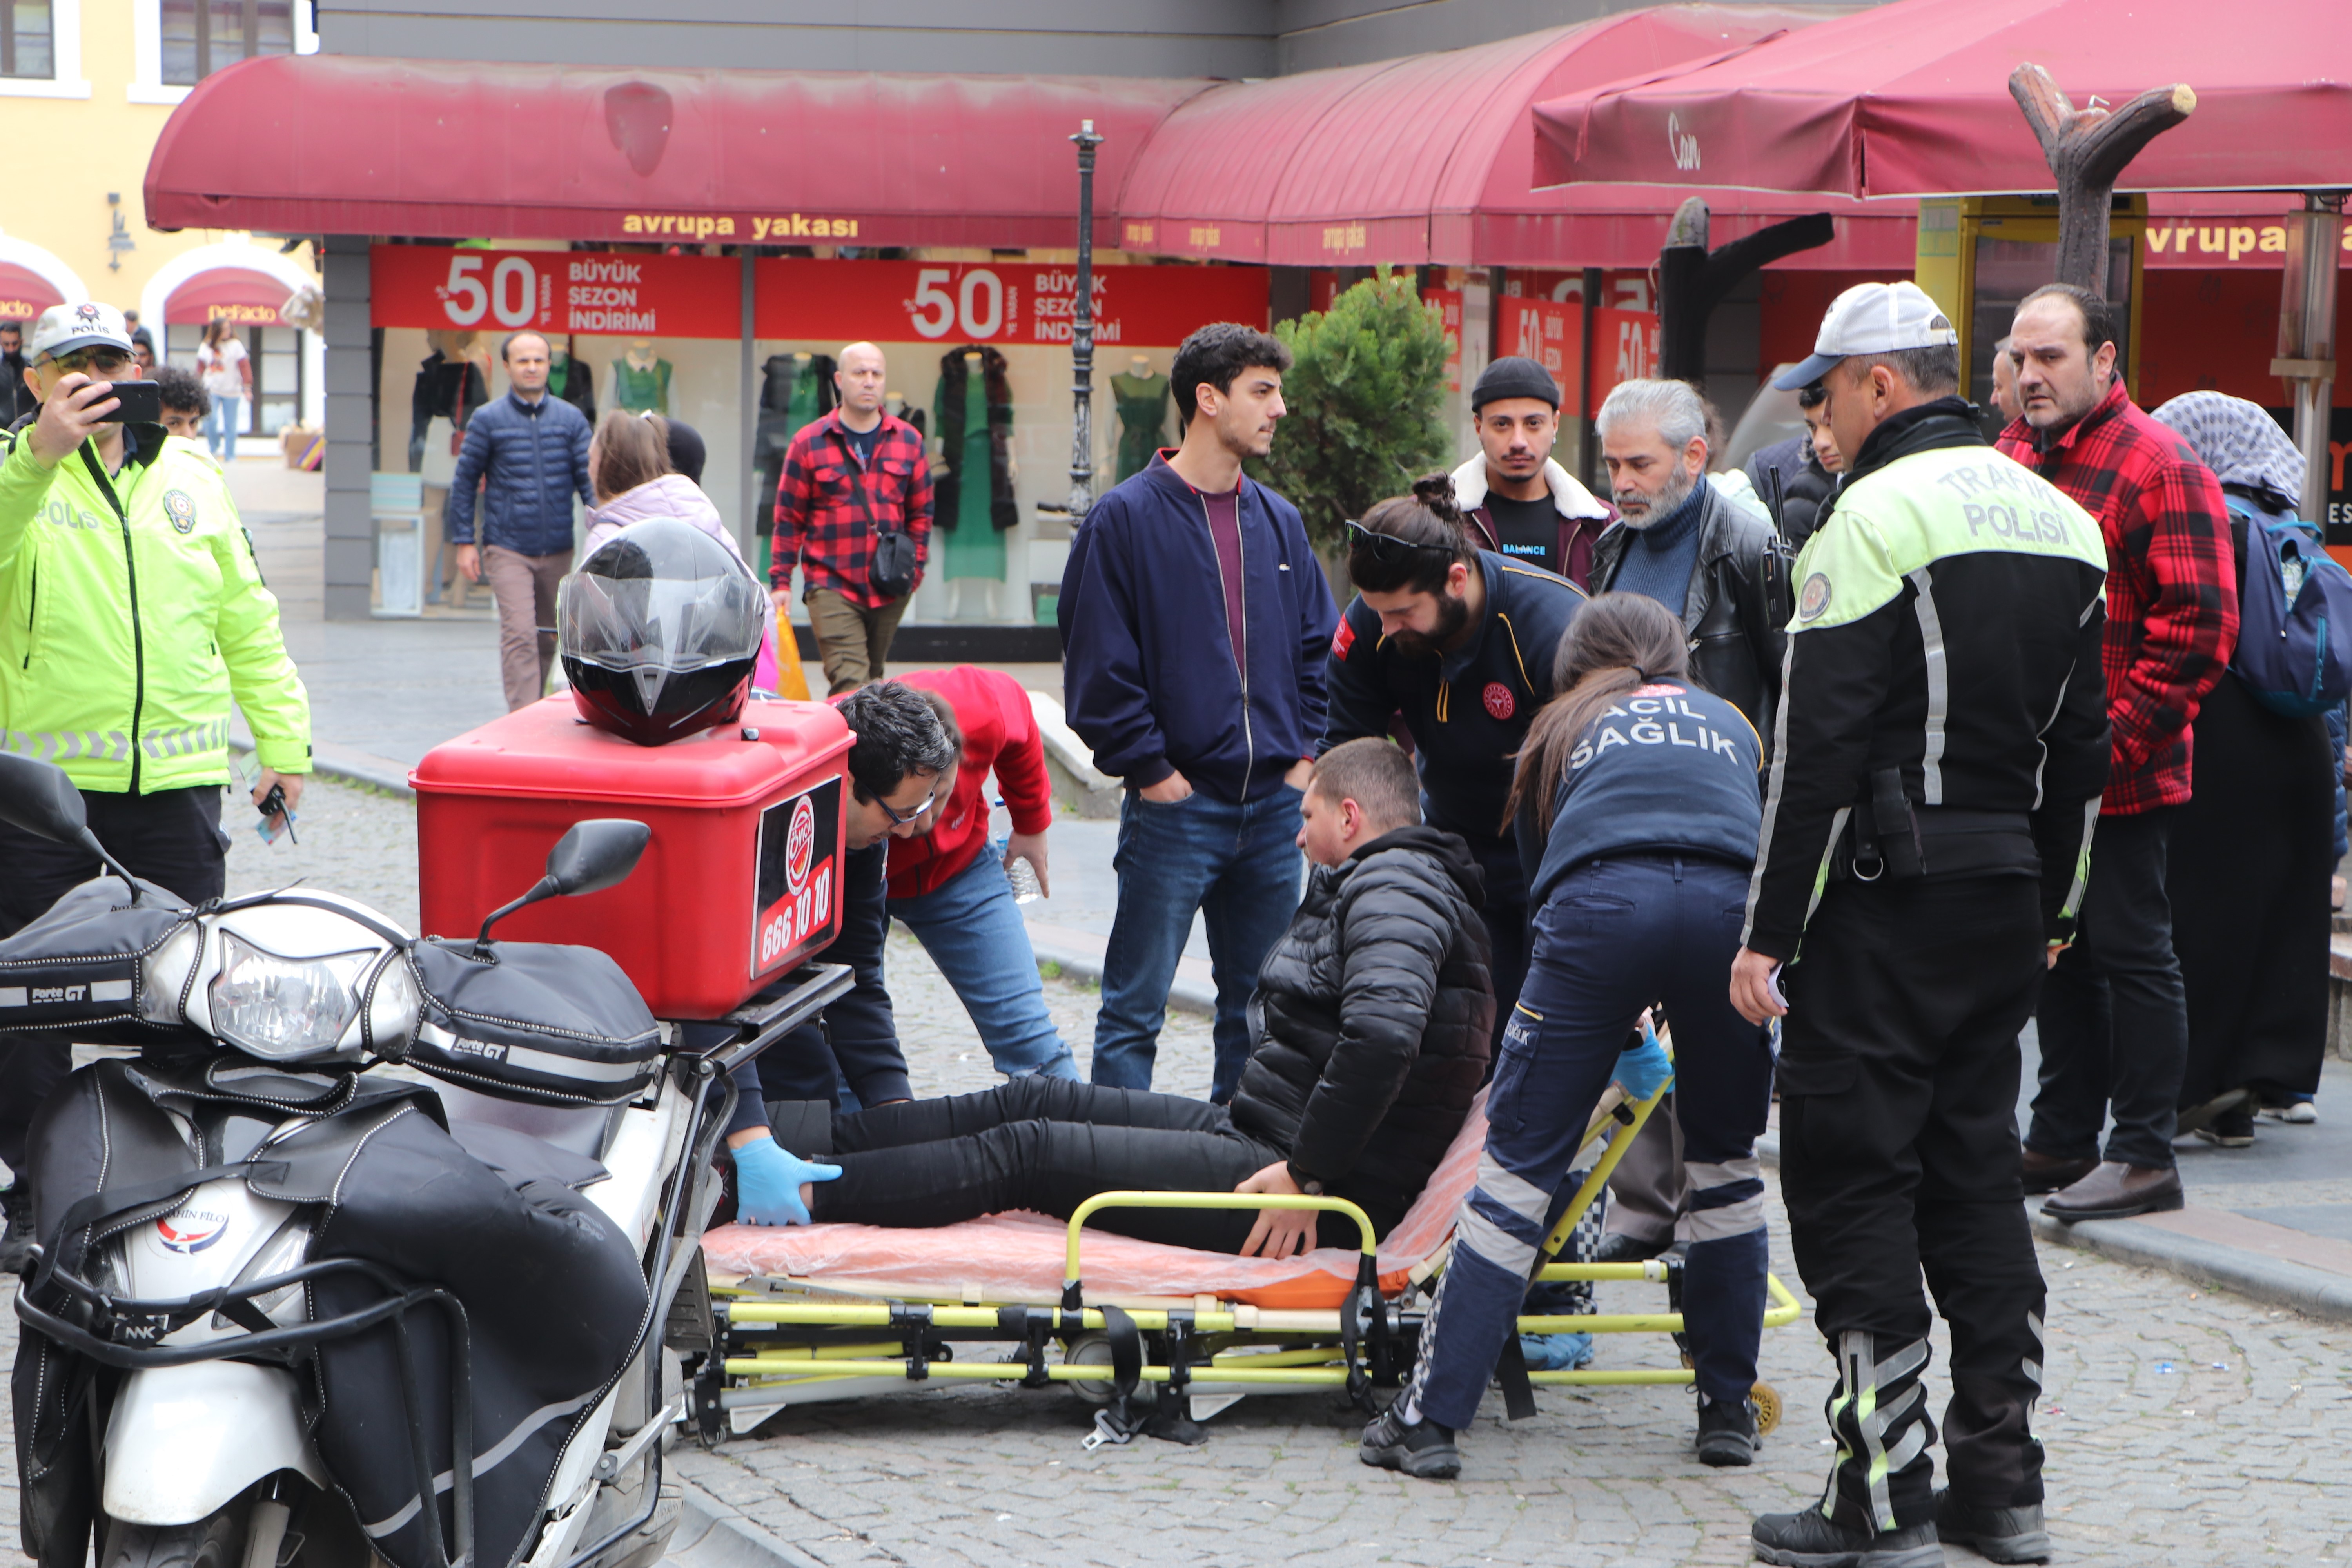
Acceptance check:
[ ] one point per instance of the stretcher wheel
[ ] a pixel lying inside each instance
(1768, 1407)
(1090, 1350)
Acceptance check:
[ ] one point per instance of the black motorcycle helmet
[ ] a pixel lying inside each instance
(659, 630)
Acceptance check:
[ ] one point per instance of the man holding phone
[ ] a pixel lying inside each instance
(130, 613)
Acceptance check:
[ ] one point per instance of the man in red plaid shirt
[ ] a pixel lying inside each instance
(849, 477)
(2114, 1023)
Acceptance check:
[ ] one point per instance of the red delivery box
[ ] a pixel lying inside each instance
(741, 880)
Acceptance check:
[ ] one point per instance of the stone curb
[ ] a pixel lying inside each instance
(710, 1534)
(2315, 1293)
(1186, 995)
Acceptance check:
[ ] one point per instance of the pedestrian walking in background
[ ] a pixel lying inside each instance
(950, 883)
(227, 371)
(2114, 1021)
(1796, 478)
(1636, 801)
(1936, 777)
(1196, 627)
(2250, 864)
(853, 509)
(1518, 503)
(16, 399)
(133, 615)
(526, 454)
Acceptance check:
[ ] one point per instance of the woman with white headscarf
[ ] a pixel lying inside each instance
(2251, 861)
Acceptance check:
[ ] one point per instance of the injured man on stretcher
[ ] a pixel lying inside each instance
(1371, 1025)
(1370, 1029)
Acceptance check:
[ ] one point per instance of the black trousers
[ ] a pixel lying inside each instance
(2115, 1014)
(1508, 919)
(1899, 1157)
(1042, 1143)
(172, 838)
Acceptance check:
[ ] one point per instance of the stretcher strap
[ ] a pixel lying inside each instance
(1511, 1372)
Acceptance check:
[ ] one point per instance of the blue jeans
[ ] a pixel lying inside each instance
(220, 426)
(974, 933)
(1238, 866)
(1616, 936)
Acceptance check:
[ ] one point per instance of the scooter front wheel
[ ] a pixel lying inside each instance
(217, 1541)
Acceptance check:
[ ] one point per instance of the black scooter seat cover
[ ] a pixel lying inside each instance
(553, 1292)
(536, 1021)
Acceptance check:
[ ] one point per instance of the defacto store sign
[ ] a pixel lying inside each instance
(1000, 302)
(555, 291)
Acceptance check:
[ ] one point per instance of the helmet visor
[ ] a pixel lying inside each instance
(674, 625)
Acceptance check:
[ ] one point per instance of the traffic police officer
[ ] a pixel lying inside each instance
(1459, 641)
(130, 613)
(1941, 747)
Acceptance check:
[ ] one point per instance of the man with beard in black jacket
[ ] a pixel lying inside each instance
(1371, 1023)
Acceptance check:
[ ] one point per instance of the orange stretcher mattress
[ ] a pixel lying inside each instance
(1020, 1257)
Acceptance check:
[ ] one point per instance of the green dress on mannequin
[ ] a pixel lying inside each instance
(975, 547)
(641, 388)
(1142, 401)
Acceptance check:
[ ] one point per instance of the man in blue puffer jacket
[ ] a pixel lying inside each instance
(1195, 624)
(529, 454)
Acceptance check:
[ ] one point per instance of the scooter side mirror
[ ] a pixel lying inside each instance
(38, 798)
(595, 856)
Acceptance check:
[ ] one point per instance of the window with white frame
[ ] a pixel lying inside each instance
(178, 43)
(28, 40)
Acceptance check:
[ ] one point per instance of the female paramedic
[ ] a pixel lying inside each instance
(1636, 798)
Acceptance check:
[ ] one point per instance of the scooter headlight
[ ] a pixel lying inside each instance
(280, 1008)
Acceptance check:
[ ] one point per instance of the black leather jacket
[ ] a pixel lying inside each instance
(1737, 610)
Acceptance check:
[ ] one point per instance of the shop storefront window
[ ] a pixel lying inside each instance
(276, 356)
(27, 39)
(200, 36)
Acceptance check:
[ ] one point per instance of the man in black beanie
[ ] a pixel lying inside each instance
(1517, 501)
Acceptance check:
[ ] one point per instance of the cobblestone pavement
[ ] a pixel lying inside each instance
(2185, 1427)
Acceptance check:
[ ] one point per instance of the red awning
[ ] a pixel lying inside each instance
(24, 293)
(1912, 99)
(336, 144)
(1428, 158)
(235, 294)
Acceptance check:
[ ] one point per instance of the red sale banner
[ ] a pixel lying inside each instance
(1624, 348)
(555, 291)
(998, 301)
(1551, 333)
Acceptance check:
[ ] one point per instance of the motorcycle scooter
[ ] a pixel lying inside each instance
(193, 1384)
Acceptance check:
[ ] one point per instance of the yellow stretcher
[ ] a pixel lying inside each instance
(786, 1338)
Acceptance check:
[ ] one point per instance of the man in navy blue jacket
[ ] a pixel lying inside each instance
(1195, 623)
(528, 453)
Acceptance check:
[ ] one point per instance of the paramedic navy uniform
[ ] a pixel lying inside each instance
(1941, 745)
(1468, 712)
(1640, 887)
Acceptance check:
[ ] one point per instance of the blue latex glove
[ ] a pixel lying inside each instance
(1641, 1071)
(768, 1184)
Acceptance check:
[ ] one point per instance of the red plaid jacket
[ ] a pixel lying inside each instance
(829, 506)
(2172, 585)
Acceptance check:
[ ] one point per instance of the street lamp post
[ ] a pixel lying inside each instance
(1082, 335)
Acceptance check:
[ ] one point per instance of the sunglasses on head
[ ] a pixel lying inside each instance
(1387, 549)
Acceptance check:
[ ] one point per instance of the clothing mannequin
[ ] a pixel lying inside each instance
(641, 379)
(1142, 396)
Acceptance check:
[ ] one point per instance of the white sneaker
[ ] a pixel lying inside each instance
(2302, 1114)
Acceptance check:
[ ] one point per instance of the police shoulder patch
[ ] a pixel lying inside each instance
(1814, 597)
(180, 507)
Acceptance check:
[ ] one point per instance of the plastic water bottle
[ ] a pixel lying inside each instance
(1024, 878)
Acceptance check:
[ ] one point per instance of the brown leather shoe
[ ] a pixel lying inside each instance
(2117, 1191)
(2047, 1173)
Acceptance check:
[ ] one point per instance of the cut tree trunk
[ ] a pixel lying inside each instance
(2088, 151)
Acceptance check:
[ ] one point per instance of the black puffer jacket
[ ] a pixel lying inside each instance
(1369, 1025)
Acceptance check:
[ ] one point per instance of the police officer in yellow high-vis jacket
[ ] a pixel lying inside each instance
(130, 613)
(1941, 743)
